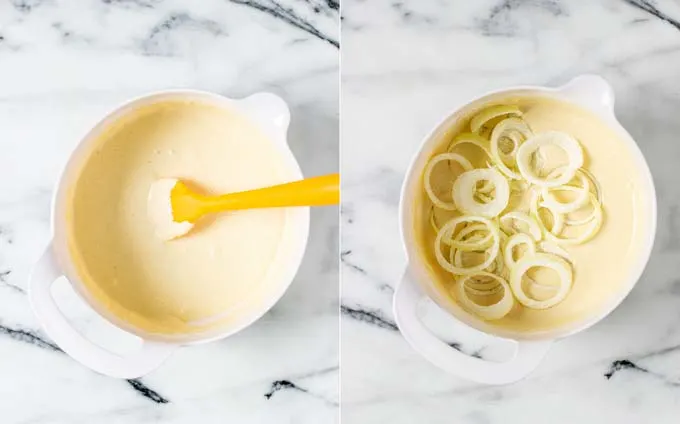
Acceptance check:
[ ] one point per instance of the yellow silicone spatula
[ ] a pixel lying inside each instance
(174, 208)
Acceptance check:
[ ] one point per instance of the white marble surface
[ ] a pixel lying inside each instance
(64, 63)
(406, 64)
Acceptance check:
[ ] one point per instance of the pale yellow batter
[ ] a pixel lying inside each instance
(175, 286)
(602, 265)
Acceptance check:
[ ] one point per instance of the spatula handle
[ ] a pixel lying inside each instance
(316, 191)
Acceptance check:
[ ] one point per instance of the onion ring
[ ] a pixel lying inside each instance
(557, 264)
(464, 189)
(534, 228)
(450, 226)
(489, 312)
(559, 139)
(428, 175)
(486, 115)
(516, 240)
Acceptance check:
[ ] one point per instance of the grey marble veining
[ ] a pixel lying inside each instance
(405, 65)
(63, 64)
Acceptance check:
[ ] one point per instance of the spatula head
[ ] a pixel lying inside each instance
(159, 209)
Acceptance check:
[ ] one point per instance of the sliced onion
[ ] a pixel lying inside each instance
(500, 268)
(470, 138)
(556, 138)
(514, 129)
(428, 175)
(477, 242)
(433, 220)
(483, 197)
(484, 291)
(435, 227)
(456, 258)
(450, 227)
(558, 218)
(475, 140)
(484, 191)
(488, 312)
(535, 284)
(554, 249)
(581, 221)
(534, 229)
(518, 185)
(513, 168)
(547, 260)
(478, 121)
(581, 199)
(516, 140)
(488, 186)
(587, 234)
(483, 288)
(497, 266)
(503, 130)
(472, 243)
(516, 240)
(593, 181)
(587, 179)
(464, 189)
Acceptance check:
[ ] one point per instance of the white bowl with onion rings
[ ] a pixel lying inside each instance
(589, 92)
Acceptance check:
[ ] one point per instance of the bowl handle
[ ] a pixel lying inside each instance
(527, 355)
(591, 91)
(133, 365)
(269, 110)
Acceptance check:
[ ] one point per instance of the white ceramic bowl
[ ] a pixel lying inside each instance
(271, 114)
(588, 91)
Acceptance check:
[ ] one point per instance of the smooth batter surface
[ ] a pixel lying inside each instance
(173, 286)
(602, 265)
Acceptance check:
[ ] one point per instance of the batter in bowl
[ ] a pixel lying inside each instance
(206, 277)
(600, 267)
